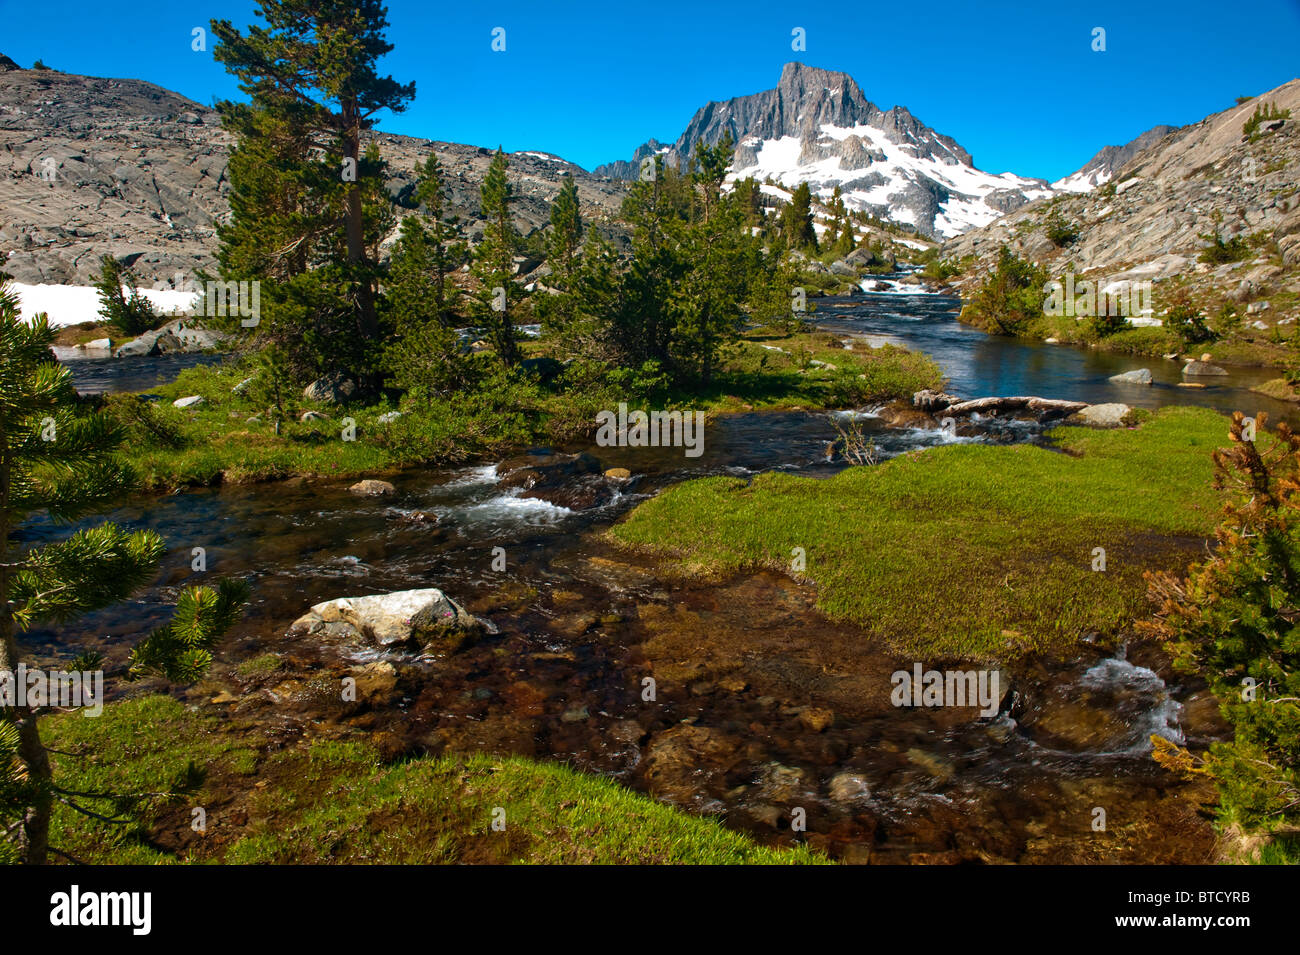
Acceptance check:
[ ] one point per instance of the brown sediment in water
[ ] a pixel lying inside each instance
(761, 707)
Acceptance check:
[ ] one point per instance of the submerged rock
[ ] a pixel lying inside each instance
(1202, 367)
(817, 718)
(938, 767)
(412, 617)
(897, 414)
(372, 488)
(375, 682)
(417, 517)
(685, 764)
(575, 481)
(1139, 376)
(849, 787)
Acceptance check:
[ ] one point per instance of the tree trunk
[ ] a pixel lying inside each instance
(36, 825)
(1038, 405)
(36, 821)
(355, 220)
(508, 347)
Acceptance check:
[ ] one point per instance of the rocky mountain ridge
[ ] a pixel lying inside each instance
(817, 126)
(1102, 167)
(95, 166)
(1150, 219)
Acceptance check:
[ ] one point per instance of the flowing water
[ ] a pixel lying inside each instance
(978, 364)
(762, 707)
(97, 376)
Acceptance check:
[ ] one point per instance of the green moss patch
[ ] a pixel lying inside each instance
(338, 801)
(968, 551)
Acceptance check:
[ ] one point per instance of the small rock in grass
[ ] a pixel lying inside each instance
(1108, 415)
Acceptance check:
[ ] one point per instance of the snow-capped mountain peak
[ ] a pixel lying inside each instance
(817, 126)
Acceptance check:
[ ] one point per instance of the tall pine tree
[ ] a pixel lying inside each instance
(423, 356)
(565, 239)
(799, 230)
(494, 262)
(314, 88)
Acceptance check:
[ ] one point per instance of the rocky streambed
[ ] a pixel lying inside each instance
(757, 709)
(737, 699)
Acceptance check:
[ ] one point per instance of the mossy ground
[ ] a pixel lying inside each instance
(330, 801)
(963, 551)
(1279, 389)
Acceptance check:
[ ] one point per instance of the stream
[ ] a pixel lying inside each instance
(762, 705)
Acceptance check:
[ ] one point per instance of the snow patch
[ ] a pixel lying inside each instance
(74, 304)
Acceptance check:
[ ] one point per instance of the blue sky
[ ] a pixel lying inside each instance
(1017, 84)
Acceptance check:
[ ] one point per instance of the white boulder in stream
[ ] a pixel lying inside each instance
(1140, 376)
(404, 617)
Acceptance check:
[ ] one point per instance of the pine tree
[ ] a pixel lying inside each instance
(710, 169)
(842, 243)
(272, 385)
(58, 459)
(312, 81)
(423, 356)
(721, 261)
(1235, 622)
(566, 232)
(558, 309)
(428, 251)
(750, 199)
(658, 210)
(588, 317)
(120, 302)
(799, 220)
(494, 261)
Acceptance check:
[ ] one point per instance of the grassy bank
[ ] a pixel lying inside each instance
(336, 801)
(1202, 310)
(963, 551)
(1156, 341)
(230, 438)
